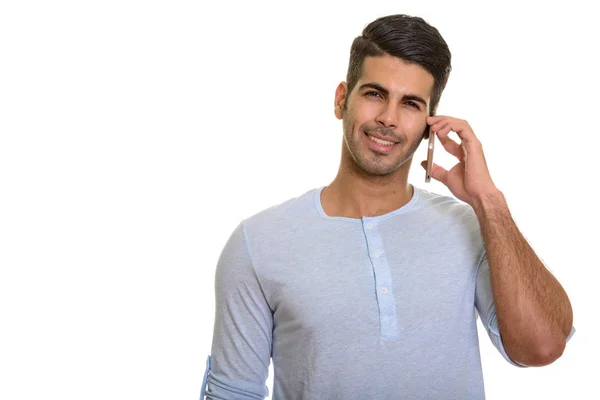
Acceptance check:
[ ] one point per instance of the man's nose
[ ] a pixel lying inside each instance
(389, 116)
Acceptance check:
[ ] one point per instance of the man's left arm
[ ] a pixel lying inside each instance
(533, 311)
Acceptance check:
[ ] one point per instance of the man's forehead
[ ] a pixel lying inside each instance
(396, 75)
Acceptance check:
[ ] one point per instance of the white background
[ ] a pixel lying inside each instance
(136, 135)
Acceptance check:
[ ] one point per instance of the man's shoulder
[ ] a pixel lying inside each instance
(291, 209)
(445, 216)
(446, 206)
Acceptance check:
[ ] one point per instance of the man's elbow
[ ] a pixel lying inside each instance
(541, 355)
(552, 352)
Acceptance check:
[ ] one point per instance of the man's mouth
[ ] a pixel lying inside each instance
(380, 141)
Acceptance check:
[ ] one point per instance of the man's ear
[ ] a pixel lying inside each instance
(340, 99)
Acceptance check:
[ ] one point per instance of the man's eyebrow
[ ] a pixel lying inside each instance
(374, 86)
(409, 96)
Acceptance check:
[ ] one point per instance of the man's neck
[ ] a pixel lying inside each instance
(354, 197)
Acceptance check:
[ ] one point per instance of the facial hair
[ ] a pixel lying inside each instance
(372, 163)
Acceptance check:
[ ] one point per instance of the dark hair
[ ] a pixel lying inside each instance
(409, 38)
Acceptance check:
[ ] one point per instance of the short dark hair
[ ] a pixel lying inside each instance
(410, 38)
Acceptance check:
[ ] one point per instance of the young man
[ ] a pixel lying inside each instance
(368, 288)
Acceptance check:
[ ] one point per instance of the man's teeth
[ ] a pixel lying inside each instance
(382, 142)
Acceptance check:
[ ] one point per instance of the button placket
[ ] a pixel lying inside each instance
(382, 281)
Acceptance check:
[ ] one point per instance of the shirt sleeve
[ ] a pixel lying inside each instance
(238, 366)
(484, 302)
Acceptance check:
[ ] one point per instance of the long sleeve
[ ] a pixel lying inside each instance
(238, 366)
(484, 302)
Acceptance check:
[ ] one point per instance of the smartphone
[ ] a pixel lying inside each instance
(429, 156)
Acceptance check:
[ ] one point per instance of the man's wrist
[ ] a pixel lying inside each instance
(489, 202)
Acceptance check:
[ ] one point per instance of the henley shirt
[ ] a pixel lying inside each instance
(378, 307)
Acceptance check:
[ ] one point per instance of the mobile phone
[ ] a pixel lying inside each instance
(429, 156)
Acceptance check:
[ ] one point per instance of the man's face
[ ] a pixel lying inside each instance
(386, 103)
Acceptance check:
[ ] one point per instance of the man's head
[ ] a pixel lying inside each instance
(397, 72)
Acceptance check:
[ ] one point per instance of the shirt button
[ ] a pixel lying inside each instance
(384, 290)
(369, 226)
(377, 253)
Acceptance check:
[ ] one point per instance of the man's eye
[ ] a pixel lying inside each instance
(412, 104)
(372, 94)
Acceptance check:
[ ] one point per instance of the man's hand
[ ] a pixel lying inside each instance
(470, 179)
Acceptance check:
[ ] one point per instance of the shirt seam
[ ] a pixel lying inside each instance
(252, 264)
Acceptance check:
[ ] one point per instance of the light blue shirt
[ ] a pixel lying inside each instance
(353, 308)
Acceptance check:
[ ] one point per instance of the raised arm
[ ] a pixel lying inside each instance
(533, 311)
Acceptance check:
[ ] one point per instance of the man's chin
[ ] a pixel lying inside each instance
(384, 168)
(378, 170)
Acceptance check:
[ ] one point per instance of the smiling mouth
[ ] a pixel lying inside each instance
(380, 141)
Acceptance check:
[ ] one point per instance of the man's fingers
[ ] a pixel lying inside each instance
(439, 173)
(451, 146)
(443, 125)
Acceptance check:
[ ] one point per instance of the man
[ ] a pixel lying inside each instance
(368, 288)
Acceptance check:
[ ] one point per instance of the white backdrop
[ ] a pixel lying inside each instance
(135, 135)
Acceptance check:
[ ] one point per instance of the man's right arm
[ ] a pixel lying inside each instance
(243, 332)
